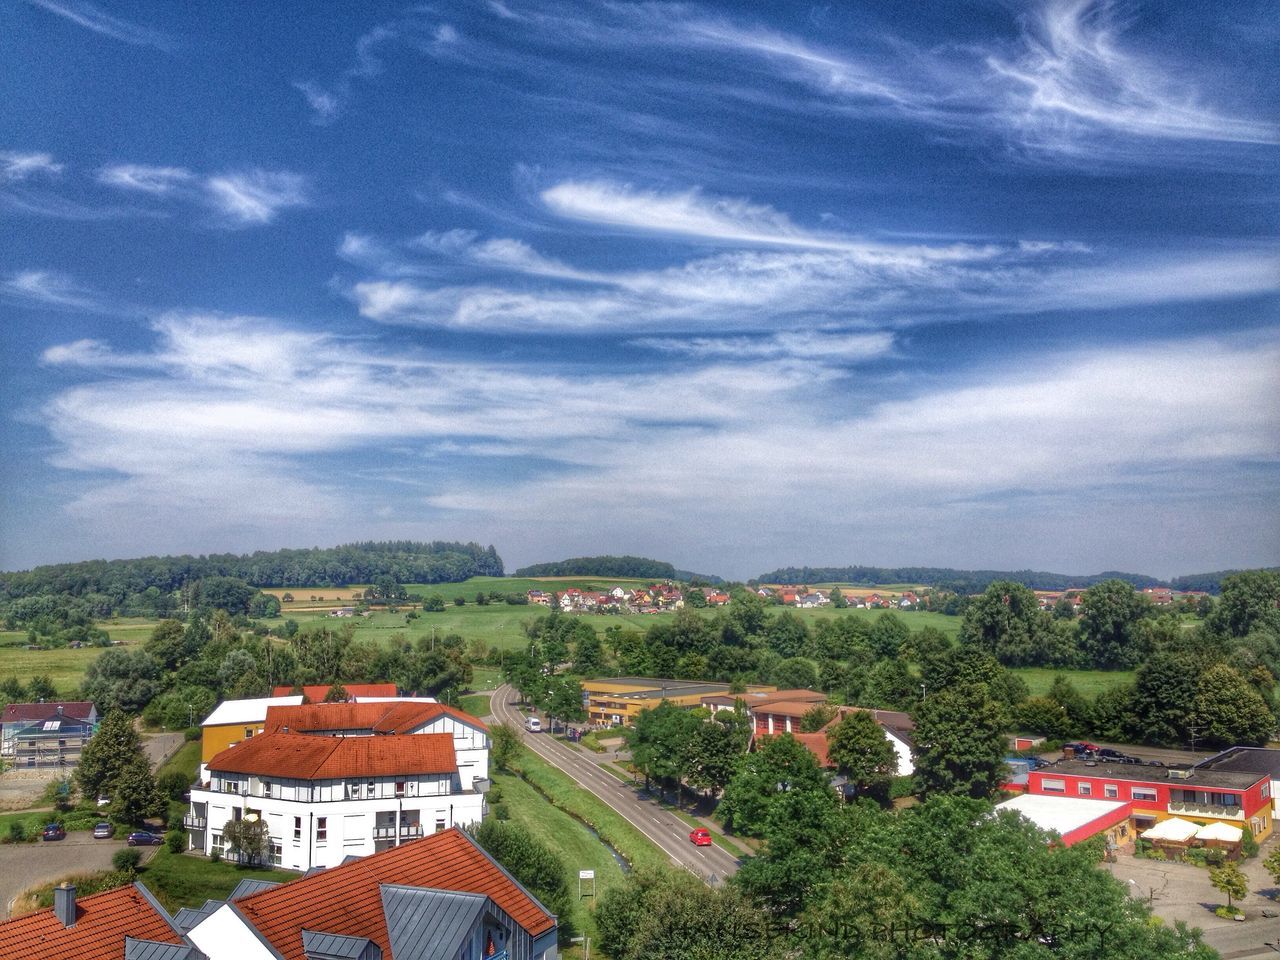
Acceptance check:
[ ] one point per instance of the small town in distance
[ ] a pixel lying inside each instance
(510, 766)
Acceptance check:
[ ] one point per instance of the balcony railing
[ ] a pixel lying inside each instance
(192, 822)
(388, 832)
(1206, 810)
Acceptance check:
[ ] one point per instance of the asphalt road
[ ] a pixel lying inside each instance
(665, 829)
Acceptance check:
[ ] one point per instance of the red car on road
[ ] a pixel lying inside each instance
(700, 837)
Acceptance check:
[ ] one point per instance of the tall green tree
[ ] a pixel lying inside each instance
(1228, 710)
(1250, 601)
(780, 765)
(672, 915)
(861, 751)
(135, 795)
(1110, 612)
(537, 866)
(960, 742)
(106, 756)
(1006, 621)
(248, 841)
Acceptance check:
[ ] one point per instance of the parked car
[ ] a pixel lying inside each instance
(143, 838)
(1080, 749)
(103, 801)
(701, 837)
(1035, 763)
(53, 831)
(1106, 753)
(104, 830)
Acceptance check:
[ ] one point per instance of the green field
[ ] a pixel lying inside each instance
(1088, 682)
(570, 839)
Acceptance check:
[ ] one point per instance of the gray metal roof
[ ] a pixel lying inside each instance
(332, 946)
(153, 950)
(186, 918)
(426, 924)
(247, 888)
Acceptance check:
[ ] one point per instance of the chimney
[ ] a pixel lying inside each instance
(64, 904)
(59, 709)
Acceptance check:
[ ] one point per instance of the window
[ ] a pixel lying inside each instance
(439, 824)
(216, 846)
(277, 853)
(353, 790)
(248, 732)
(266, 788)
(1053, 786)
(322, 829)
(1266, 789)
(399, 788)
(297, 829)
(1142, 793)
(1110, 791)
(1084, 789)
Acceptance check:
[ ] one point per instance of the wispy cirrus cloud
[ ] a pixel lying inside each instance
(52, 289)
(257, 196)
(16, 166)
(90, 17)
(156, 180)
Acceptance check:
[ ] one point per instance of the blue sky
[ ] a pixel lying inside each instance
(735, 286)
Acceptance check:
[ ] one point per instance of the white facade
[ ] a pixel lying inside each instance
(319, 823)
(906, 765)
(224, 935)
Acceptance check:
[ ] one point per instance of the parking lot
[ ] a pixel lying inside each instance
(24, 865)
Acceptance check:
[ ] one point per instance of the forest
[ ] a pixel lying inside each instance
(959, 581)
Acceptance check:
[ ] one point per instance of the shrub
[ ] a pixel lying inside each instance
(126, 860)
(192, 733)
(173, 784)
(1215, 857)
(1227, 913)
(176, 841)
(1248, 845)
(215, 857)
(17, 831)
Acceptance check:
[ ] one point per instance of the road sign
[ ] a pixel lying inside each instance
(586, 874)
(590, 877)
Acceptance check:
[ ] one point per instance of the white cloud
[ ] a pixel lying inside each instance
(154, 180)
(53, 289)
(90, 17)
(1071, 74)
(256, 196)
(830, 345)
(16, 166)
(325, 104)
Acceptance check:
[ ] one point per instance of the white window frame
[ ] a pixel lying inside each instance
(1053, 786)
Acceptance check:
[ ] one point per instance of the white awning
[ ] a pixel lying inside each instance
(1220, 831)
(1174, 829)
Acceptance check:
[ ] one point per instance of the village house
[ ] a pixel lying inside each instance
(47, 734)
(126, 923)
(438, 897)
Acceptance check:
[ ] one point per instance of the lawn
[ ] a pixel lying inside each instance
(476, 704)
(1088, 682)
(65, 667)
(186, 761)
(613, 828)
(179, 880)
(568, 837)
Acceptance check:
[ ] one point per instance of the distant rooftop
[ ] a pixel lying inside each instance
(1243, 760)
(1144, 773)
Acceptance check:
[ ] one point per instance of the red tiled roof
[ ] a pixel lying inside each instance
(347, 901)
(317, 693)
(393, 717)
(308, 757)
(815, 743)
(103, 920)
(75, 709)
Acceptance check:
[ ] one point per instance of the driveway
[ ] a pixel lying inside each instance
(667, 831)
(24, 865)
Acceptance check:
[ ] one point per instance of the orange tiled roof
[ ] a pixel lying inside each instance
(103, 920)
(347, 901)
(317, 693)
(309, 757)
(392, 717)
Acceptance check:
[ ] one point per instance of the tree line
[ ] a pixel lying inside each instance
(405, 561)
(958, 581)
(603, 566)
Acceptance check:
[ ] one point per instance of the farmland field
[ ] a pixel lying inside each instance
(64, 667)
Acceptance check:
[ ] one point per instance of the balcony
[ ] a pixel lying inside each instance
(192, 822)
(1206, 810)
(408, 831)
(479, 785)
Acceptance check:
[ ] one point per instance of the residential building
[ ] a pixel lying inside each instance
(1202, 794)
(235, 720)
(47, 734)
(126, 923)
(783, 716)
(617, 701)
(438, 897)
(393, 717)
(325, 798)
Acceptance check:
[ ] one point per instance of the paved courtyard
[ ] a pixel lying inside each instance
(1181, 891)
(24, 865)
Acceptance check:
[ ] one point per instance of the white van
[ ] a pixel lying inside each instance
(533, 725)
